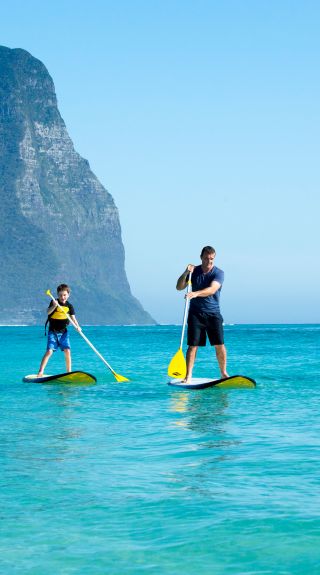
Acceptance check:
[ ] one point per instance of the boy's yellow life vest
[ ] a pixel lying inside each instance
(59, 314)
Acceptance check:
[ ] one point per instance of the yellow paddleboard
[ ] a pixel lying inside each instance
(233, 382)
(75, 377)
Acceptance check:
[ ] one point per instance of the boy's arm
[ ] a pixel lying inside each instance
(51, 307)
(75, 321)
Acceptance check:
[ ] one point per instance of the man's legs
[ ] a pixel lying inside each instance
(221, 354)
(191, 356)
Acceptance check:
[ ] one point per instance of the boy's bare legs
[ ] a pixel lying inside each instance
(221, 354)
(46, 357)
(191, 356)
(44, 362)
(67, 356)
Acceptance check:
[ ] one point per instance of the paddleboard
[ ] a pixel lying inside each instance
(233, 382)
(69, 377)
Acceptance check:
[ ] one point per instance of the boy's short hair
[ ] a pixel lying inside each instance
(63, 287)
(207, 250)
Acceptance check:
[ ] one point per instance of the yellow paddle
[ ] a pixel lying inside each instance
(116, 375)
(177, 366)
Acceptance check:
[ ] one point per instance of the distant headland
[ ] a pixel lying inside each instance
(57, 222)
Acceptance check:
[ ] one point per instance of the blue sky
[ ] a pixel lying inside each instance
(201, 118)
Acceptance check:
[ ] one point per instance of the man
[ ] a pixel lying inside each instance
(204, 312)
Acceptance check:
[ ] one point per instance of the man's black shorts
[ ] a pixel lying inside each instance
(202, 324)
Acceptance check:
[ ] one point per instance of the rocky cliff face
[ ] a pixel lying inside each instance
(57, 222)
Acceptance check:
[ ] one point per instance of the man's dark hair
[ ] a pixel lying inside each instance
(63, 287)
(207, 250)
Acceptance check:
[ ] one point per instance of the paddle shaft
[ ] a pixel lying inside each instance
(186, 308)
(82, 334)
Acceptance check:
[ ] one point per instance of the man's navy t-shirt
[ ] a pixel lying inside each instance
(200, 281)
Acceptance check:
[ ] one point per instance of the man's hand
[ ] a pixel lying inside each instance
(183, 279)
(191, 295)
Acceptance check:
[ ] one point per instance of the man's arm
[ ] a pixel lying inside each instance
(183, 279)
(213, 287)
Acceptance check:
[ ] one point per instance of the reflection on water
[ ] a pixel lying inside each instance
(204, 412)
(58, 430)
(210, 447)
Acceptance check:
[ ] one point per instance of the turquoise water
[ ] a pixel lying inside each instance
(138, 477)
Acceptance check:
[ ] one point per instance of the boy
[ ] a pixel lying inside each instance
(58, 336)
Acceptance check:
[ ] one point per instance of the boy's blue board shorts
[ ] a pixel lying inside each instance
(58, 340)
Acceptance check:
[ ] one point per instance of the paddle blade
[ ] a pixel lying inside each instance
(177, 366)
(120, 378)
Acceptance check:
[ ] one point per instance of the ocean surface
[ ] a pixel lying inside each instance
(140, 478)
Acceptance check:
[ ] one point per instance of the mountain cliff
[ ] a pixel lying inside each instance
(58, 224)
